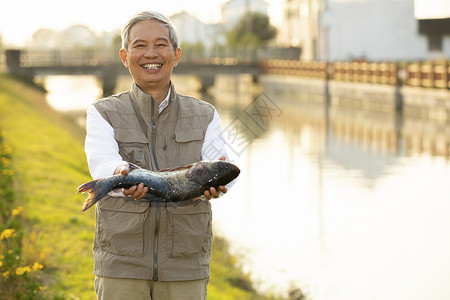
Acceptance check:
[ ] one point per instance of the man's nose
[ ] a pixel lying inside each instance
(151, 52)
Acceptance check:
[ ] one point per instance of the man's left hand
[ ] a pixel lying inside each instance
(212, 192)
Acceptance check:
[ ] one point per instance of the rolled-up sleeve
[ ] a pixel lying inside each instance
(102, 150)
(214, 145)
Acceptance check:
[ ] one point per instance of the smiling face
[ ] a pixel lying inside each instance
(150, 57)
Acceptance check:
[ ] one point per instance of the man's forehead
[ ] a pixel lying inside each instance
(147, 32)
(143, 28)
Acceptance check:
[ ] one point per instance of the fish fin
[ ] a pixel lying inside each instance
(176, 168)
(132, 167)
(91, 188)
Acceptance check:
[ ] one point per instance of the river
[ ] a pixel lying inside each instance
(341, 203)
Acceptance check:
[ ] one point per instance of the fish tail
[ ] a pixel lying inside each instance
(91, 188)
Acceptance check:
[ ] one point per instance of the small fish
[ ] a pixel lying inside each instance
(168, 185)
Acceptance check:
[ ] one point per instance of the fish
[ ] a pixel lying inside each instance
(168, 185)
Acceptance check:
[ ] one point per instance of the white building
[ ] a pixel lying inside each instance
(233, 10)
(44, 38)
(192, 30)
(339, 30)
(378, 30)
(300, 26)
(75, 36)
(80, 36)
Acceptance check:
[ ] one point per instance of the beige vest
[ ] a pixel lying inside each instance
(143, 240)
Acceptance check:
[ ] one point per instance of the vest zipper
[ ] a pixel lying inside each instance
(156, 240)
(154, 125)
(158, 206)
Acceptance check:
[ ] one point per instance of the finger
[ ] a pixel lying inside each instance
(222, 158)
(140, 192)
(122, 169)
(223, 189)
(130, 191)
(214, 192)
(207, 194)
(143, 192)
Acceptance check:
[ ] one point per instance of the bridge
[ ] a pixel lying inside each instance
(107, 66)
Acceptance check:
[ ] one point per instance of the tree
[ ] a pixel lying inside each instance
(253, 29)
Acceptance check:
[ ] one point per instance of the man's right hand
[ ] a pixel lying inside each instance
(137, 192)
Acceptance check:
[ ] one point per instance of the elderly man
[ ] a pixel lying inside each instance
(142, 249)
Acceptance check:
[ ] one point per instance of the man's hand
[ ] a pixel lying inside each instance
(212, 192)
(137, 192)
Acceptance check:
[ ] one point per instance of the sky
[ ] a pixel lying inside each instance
(19, 19)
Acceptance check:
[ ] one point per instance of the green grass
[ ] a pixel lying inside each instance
(49, 163)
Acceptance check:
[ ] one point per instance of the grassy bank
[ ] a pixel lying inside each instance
(48, 164)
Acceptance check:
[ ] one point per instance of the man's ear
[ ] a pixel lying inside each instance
(123, 55)
(177, 56)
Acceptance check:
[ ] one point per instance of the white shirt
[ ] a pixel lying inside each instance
(102, 150)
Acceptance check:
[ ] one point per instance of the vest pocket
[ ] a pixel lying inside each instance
(190, 143)
(133, 145)
(189, 230)
(121, 226)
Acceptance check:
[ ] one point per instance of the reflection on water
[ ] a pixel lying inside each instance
(344, 204)
(68, 93)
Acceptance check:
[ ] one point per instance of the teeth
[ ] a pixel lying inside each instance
(151, 66)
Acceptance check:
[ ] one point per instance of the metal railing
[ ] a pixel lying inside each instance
(430, 74)
(215, 56)
(366, 72)
(309, 69)
(54, 58)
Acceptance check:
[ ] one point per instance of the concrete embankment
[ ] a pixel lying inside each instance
(410, 101)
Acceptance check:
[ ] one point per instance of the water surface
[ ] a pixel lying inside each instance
(344, 204)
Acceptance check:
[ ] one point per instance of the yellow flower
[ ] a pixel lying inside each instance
(6, 149)
(7, 172)
(17, 211)
(21, 271)
(7, 233)
(37, 266)
(1, 263)
(6, 161)
(5, 274)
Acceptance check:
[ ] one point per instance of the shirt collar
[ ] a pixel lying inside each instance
(165, 102)
(143, 98)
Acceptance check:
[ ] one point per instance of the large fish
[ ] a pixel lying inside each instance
(169, 185)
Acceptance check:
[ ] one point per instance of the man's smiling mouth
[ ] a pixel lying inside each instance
(151, 66)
